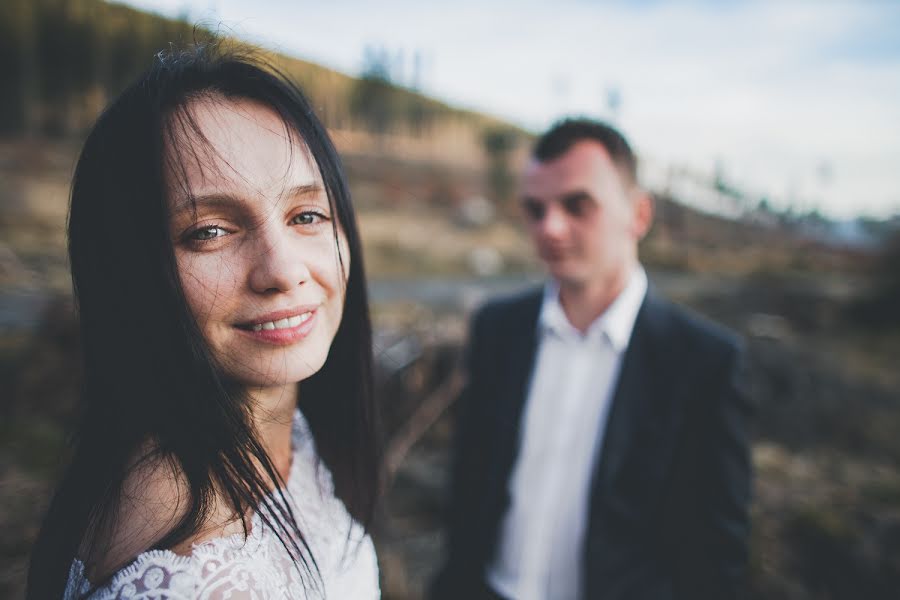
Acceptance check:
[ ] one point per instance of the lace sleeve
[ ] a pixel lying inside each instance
(156, 574)
(162, 574)
(220, 571)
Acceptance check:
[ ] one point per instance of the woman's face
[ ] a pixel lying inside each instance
(255, 248)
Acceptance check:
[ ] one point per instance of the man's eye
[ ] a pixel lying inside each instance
(574, 206)
(534, 210)
(204, 234)
(577, 206)
(308, 218)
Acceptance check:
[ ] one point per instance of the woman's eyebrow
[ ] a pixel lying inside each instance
(191, 203)
(226, 200)
(306, 189)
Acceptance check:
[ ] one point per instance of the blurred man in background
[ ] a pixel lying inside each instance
(601, 447)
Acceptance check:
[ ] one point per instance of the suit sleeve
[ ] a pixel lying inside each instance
(719, 527)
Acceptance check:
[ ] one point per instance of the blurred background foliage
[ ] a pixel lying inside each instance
(435, 189)
(60, 60)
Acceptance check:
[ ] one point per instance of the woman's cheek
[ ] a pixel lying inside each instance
(208, 283)
(328, 260)
(345, 255)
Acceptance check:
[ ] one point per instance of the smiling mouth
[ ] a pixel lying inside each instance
(285, 323)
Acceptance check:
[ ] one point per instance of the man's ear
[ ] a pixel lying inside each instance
(643, 213)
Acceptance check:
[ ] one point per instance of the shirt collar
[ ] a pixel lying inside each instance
(616, 323)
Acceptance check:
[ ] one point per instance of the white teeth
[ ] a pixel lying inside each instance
(286, 323)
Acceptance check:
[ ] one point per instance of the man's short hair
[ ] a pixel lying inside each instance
(566, 133)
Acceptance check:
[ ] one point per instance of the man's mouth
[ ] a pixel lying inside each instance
(553, 253)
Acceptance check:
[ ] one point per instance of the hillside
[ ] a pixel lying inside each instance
(61, 60)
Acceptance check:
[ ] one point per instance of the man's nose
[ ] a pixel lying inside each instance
(554, 224)
(277, 265)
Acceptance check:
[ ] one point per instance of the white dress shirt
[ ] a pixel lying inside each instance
(540, 550)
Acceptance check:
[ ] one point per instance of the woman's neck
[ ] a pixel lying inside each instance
(273, 417)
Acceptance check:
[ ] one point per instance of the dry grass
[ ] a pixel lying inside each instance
(423, 243)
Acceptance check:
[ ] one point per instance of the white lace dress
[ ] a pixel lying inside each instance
(259, 567)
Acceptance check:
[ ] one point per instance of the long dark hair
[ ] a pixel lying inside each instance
(148, 373)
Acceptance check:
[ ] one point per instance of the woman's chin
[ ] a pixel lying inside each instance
(277, 380)
(261, 379)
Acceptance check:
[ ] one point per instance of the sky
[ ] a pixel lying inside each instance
(794, 100)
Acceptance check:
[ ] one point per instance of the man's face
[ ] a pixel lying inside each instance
(584, 219)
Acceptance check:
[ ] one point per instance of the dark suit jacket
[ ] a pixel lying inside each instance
(671, 488)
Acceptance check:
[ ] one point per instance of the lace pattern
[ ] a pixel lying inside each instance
(258, 567)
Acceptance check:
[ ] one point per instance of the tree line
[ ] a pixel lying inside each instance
(61, 61)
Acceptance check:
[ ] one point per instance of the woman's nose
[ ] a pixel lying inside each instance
(278, 265)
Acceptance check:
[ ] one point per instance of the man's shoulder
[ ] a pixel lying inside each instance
(689, 329)
(510, 310)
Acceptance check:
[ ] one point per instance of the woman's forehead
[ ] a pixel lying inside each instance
(230, 146)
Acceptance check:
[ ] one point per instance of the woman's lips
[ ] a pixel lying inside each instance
(283, 323)
(281, 331)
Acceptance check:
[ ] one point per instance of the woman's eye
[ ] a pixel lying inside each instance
(308, 217)
(204, 234)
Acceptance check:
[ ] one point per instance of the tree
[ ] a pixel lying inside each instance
(374, 97)
(499, 143)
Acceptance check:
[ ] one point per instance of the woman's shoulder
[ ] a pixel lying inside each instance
(215, 567)
(155, 497)
(217, 564)
(217, 558)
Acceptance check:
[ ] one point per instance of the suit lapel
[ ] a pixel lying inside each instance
(513, 380)
(631, 392)
(643, 406)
